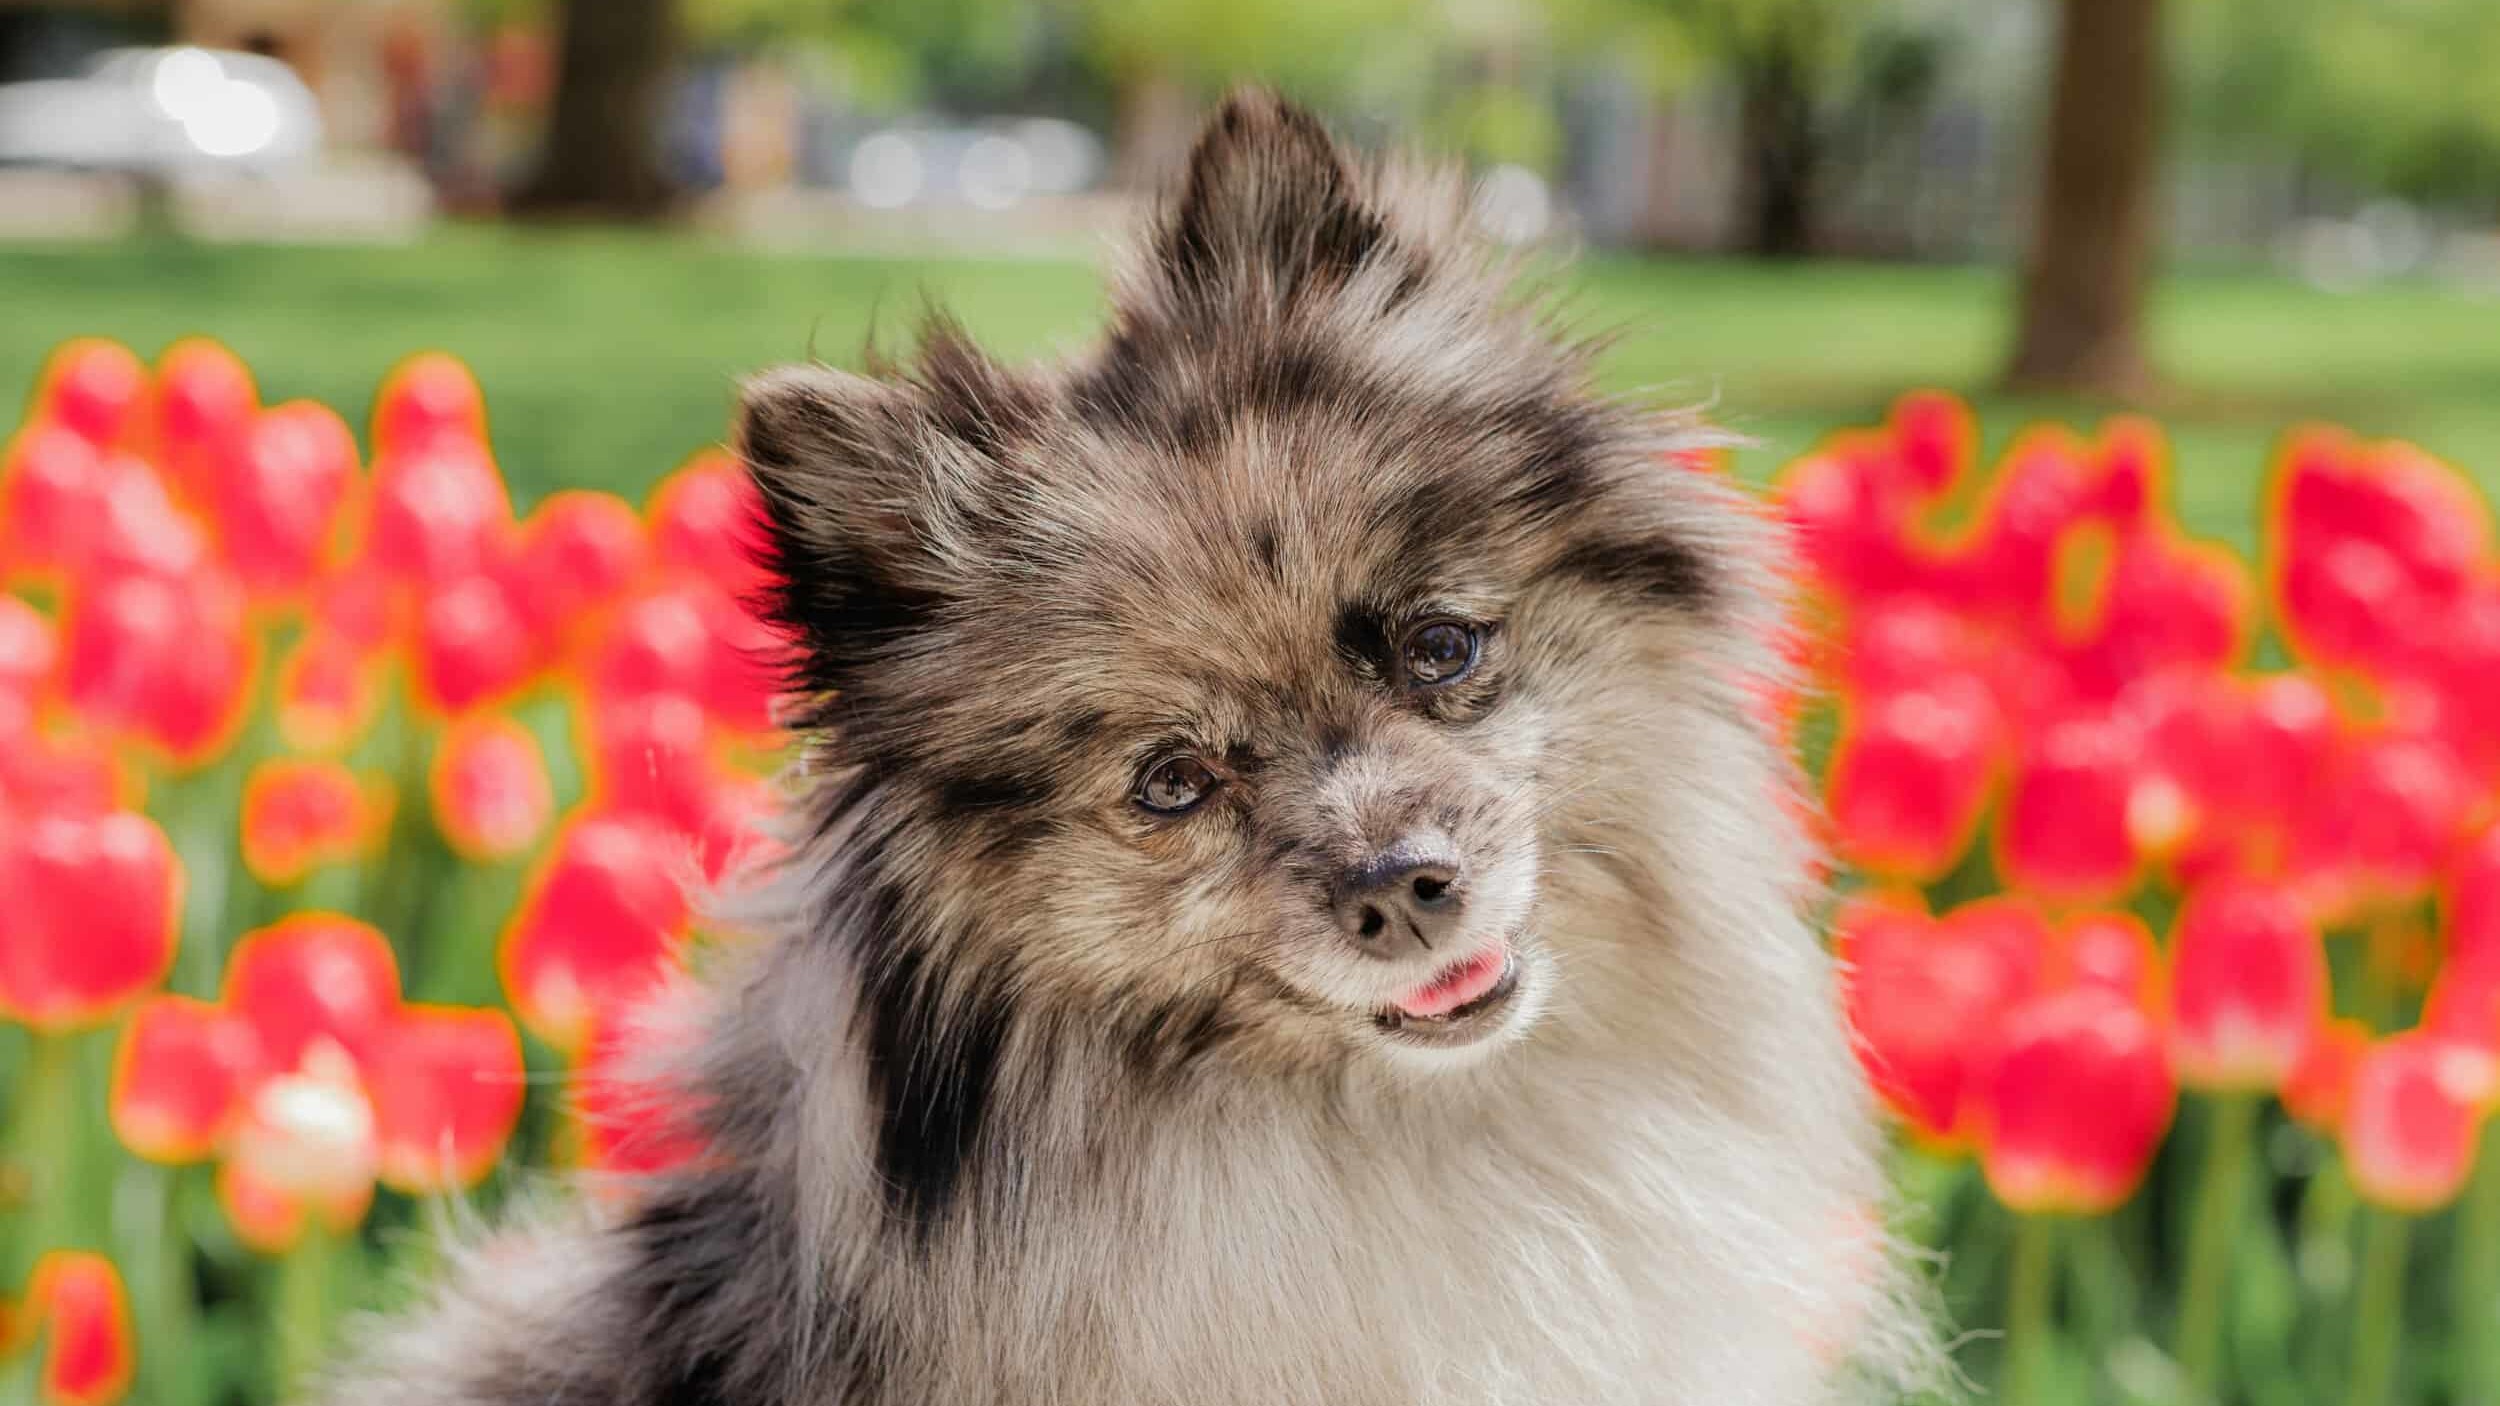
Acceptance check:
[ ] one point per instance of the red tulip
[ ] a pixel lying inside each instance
(2168, 603)
(2065, 832)
(50, 491)
(491, 795)
(440, 513)
(2248, 983)
(1910, 775)
(2392, 814)
(658, 641)
(2321, 1083)
(1934, 437)
(2112, 951)
(2044, 488)
(708, 520)
(597, 925)
(302, 1145)
(578, 551)
(165, 663)
(474, 647)
(1850, 511)
(278, 511)
(77, 1303)
(136, 527)
(94, 388)
(29, 650)
(329, 692)
(653, 758)
(1902, 643)
(427, 399)
(446, 1095)
(2471, 903)
(178, 1078)
(90, 919)
(1922, 996)
(301, 815)
(2412, 1121)
(309, 1079)
(2087, 1048)
(633, 1117)
(203, 408)
(45, 772)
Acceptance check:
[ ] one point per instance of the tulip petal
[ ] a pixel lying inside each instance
(310, 978)
(178, 1077)
(83, 1311)
(446, 1096)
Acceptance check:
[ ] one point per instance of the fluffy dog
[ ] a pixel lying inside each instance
(1291, 901)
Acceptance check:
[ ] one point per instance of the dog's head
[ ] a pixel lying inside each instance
(1231, 692)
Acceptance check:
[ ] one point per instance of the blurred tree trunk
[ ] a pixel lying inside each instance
(2092, 241)
(603, 137)
(1781, 149)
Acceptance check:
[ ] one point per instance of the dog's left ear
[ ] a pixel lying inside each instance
(1271, 212)
(879, 492)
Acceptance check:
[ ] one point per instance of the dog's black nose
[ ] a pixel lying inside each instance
(1404, 899)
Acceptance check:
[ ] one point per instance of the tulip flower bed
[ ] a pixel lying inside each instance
(339, 809)
(2180, 971)
(343, 810)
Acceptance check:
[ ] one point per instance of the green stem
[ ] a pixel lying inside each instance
(43, 1153)
(2378, 1316)
(2030, 1311)
(303, 1326)
(2220, 1192)
(2477, 1306)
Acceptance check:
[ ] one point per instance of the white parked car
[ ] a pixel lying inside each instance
(163, 112)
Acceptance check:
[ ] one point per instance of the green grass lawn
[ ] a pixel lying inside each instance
(608, 356)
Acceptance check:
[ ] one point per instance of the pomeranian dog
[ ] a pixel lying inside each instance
(1292, 899)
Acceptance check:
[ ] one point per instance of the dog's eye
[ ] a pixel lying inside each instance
(1441, 652)
(1175, 784)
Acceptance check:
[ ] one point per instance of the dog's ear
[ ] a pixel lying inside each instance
(1271, 211)
(877, 492)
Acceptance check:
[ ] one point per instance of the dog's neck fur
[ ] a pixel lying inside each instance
(1624, 1209)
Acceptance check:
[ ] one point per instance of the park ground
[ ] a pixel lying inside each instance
(609, 356)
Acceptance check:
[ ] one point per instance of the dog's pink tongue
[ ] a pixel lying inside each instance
(1458, 985)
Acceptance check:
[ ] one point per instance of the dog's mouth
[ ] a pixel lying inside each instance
(1464, 1002)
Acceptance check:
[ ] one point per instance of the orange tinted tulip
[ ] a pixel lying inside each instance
(77, 1303)
(446, 1095)
(2412, 1121)
(329, 692)
(90, 917)
(300, 815)
(2087, 1048)
(2248, 983)
(489, 788)
(2321, 1083)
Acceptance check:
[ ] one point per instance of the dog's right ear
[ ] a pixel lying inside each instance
(1271, 211)
(870, 489)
